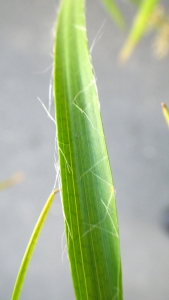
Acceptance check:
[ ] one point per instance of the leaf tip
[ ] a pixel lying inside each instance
(56, 191)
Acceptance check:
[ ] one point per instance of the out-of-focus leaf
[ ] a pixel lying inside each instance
(31, 246)
(165, 110)
(9, 182)
(114, 12)
(159, 21)
(138, 28)
(88, 194)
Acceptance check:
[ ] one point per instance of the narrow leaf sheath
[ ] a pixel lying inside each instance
(86, 180)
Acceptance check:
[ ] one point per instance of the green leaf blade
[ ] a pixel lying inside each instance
(87, 189)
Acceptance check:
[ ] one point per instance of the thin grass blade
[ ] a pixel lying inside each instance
(138, 28)
(88, 194)
(114, 12)
(30, 248)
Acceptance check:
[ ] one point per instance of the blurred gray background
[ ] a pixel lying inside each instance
(137, 139)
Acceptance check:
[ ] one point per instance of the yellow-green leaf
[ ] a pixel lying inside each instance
(138, 28)
(31, 246)
(165, 110)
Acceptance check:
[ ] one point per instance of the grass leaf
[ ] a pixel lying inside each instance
(138, 28)
(30, 248)
(88, 194)
(114, 12)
